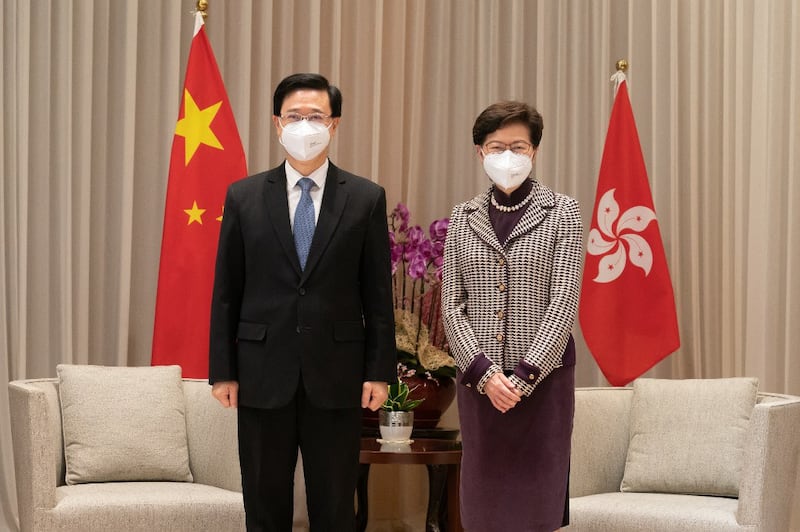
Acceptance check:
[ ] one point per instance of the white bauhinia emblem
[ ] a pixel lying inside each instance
(620, 243)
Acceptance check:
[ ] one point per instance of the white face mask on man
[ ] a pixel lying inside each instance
(304, 139)
(508, 169)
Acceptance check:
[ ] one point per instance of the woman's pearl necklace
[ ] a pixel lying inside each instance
(512, 208)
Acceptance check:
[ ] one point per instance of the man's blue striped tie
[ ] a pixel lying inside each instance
(304, 221)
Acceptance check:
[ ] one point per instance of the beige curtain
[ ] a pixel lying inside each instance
(90, 92)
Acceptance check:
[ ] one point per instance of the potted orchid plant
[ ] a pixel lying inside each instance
(424, 360)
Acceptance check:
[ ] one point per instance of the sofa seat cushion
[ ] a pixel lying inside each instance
(145, 506)
(654, 512)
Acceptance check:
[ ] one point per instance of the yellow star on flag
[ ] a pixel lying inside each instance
(195, 214)
(219, 218)
(195, 126)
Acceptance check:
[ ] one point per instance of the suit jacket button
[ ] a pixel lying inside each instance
(501, 287)
(500, 338)
(469, 385)
(298, 329)
(532, 377)
(301, 291)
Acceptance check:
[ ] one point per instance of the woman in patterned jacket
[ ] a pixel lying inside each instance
(511, 280)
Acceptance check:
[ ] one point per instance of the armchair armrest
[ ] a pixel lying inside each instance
(35, 446)
(770, 462)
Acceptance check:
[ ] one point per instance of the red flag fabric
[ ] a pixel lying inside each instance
(627, 308)
(207, 156)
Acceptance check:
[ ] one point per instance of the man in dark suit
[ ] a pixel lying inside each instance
(302, 327)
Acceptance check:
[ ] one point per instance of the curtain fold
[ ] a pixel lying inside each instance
(90, 92)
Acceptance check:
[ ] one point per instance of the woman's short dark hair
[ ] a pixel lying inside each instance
(501, 114)
(316, 82)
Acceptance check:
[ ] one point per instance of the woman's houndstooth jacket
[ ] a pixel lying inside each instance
(513, 302)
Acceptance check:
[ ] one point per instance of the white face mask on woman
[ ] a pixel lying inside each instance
(508, 169)
(304, 139)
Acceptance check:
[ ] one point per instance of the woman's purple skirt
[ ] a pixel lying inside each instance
(515, 466)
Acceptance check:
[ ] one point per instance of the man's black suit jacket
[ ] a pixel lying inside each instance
(332, 322)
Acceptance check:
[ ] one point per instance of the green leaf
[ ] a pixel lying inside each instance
(398, 400)
(411, 405)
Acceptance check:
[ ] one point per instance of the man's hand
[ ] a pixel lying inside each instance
(374, 394)
(503, 394)
(226, 392)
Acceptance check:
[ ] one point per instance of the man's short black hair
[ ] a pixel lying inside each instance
(306, 81)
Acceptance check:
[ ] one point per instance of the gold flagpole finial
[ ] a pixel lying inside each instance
(202, 7)
(619, 76)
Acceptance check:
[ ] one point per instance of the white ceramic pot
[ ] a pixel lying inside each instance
(395, 426)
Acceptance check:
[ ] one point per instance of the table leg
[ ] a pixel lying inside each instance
(437, 482)
(453, 507)
(362, 512)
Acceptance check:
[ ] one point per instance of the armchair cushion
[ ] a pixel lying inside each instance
(123, 423)
(668, 452)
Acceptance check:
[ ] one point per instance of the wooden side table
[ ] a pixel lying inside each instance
(443, 460)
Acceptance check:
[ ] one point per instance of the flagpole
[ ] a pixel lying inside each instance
(202, 7)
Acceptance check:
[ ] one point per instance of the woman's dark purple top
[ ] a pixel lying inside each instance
(504, 222)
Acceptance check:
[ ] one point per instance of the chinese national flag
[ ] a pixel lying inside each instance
(207, 156)
(627, 308)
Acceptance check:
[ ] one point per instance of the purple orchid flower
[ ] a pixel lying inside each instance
(396, 255)
(415, 236)
(438, 229)
(438, 249)
(426, 249)
(401, 213)
(417, 266)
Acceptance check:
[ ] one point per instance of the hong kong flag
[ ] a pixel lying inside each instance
(627, 308)
(207, 156)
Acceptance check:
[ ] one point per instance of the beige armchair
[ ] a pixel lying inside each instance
(212, 502)
(600, 445)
